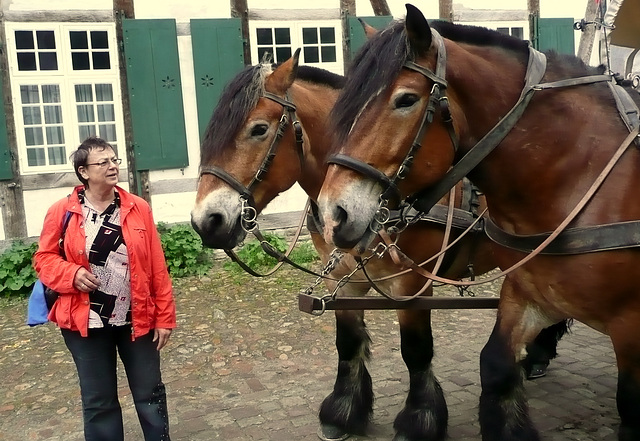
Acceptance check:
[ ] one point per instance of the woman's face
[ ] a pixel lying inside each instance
(101, 169)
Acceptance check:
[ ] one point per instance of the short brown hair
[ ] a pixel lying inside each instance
(79, 157)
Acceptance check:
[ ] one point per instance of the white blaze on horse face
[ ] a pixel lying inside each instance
(223, 202)
(355, 120)
(357, 201)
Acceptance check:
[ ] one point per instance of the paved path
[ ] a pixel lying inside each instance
(245, 364)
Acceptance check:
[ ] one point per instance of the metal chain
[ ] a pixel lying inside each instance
(334, 259)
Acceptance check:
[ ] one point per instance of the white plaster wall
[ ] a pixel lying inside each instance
(182, 11)
(56, 5)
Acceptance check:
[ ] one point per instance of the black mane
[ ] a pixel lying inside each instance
(241, 95)
(380, 60)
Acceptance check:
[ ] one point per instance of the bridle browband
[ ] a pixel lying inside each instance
(437, 101)
(248, 208)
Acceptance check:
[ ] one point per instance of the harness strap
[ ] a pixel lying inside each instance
(367, 170)
(580, 240)
(627, 108)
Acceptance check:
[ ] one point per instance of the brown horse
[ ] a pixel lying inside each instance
(538, 172)
(241, 133)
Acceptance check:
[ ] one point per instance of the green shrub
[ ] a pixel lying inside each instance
(254, 256)
(183, 250)
(17, 275)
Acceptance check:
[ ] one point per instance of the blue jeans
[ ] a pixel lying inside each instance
(95, 358)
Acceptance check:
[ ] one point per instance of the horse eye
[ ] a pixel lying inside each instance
(259, 130)
(406, 100)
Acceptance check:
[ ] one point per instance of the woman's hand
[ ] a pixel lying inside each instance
(85, 281)
(161, 335)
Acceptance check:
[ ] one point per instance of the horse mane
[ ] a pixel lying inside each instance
(381, 58)
(241, 95)
(238, 98)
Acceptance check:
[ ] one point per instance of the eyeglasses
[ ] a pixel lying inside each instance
(103, 164)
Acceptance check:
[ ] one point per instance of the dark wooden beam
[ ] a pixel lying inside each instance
(240, 9)
(445, 10)
(124, 9)
(588, 33)
(11, 194)
(533, 6)
(380, 7)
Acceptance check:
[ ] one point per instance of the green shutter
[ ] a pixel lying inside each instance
(155, 94)
(217, 57)
(357, 36)
(556, 34)
(5, 152)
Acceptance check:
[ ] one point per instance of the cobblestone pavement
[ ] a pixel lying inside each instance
(245, 364)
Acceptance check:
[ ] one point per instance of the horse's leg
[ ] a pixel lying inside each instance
(503, 413)
(347, 410)
(624, 335)
(543, 349)
(425, 415)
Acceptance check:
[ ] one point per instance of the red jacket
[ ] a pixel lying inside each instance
(152, 304)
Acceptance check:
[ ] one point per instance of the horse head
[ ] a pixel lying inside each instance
(239, 171)
(375, 119)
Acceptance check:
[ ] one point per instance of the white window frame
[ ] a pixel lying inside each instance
(66, 78)
(503, 24)
(295, 28)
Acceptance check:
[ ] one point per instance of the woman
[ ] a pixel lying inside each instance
(115, 294)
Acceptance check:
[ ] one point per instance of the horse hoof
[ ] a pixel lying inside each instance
(537, 371)
(327, 432)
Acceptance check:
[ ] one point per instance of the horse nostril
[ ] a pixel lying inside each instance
(340, 217)
(208, 225)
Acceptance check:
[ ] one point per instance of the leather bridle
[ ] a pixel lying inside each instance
(437, 101)
(248, 207)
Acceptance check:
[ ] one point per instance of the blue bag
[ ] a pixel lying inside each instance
(37, 311)
(42, 298)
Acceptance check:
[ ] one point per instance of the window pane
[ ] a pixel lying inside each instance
(108, 132)
(57, 155)
(46, 40)
(327, 35)
(283, 54)
(104, 92)
(86, 131)
(328, 54)
(53, 115)
(26, 61)
(85, 113)
(84, 93)
(311, 55)
(55, 135)
(31, 115)
(517, 32)
(48, 60)
(80, 60)
(264, 36)
(309, 36)
(24, 40)
(101, 60)
(36, 157)
(99, 40)
(33, 135)
(106, 112)
(265, 50)
(51, 93)
(29, 94)
(503, 30)
(282, 36)
(78, 40)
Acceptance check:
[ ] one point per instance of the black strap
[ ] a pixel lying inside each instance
(65, 224)
(579, 240)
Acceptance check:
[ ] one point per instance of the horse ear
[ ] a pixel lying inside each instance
(418, 30)
(369, 30)
(284, 75)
